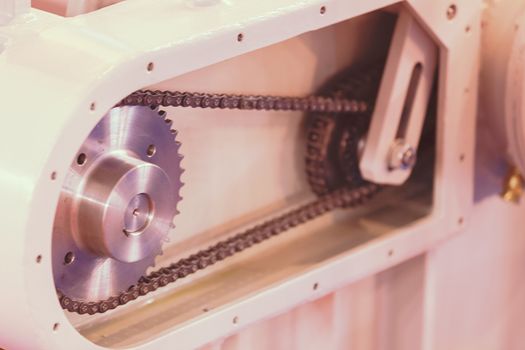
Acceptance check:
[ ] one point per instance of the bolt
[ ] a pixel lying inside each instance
(402, 156)
(408, 159)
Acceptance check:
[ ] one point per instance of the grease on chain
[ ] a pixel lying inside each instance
(341, 198)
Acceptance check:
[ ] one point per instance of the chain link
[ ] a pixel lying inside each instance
(158, 98)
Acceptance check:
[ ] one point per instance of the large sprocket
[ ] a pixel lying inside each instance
(117, 203)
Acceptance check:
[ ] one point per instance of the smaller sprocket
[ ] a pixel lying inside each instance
(333, 141)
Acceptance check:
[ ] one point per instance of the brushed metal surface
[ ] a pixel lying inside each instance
(117, 204)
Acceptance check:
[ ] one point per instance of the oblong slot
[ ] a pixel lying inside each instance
(409, 100)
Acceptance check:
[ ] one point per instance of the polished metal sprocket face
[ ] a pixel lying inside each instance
(117, 203)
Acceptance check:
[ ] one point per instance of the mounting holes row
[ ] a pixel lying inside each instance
(56, 325)
(240, 36)
(149, 67)
(82, 157)
(235, 320)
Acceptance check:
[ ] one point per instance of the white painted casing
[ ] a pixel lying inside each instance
(61, 75)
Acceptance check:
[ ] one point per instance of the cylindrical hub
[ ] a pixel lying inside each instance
(117, 203)
(124, 208)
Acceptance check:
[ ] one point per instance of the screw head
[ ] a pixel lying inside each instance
(402, 156)
(408, 159)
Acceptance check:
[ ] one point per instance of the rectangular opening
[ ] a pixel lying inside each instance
(243, 167)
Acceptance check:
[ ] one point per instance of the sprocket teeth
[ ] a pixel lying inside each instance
(157, 118)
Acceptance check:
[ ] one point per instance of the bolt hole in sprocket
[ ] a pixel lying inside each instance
(117, 203)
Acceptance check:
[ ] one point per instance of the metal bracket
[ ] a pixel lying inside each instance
(395, 129)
